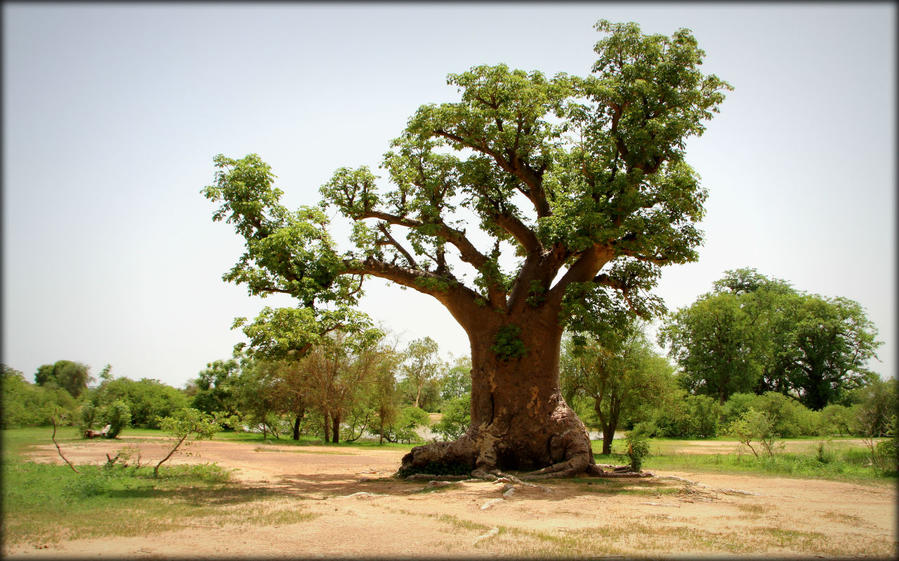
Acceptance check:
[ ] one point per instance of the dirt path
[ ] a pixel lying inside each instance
(341, 502)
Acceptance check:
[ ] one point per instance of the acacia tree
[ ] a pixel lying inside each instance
(580, 183)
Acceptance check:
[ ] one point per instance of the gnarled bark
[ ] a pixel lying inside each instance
(519, 419)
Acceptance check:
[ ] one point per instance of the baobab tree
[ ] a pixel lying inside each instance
(579, 183)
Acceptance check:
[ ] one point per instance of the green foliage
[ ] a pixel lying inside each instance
(754, 334)
(876, 412)
(755, 426)
(712, 341)
(455, 380)
(189, 422)
(147, 400)
(456, 418)
(637, 449)
(28, 405)
(507, 343)
(420, 368)
(569, 173)
(186, 423)
(66, 374)
(215, 389)
(790, 417)
(403, 429)
(885, 456)
(837, 420)
(687, 416)
(618, 372)
(118, 416)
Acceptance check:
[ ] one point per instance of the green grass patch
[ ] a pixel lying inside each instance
(49, 502)
(835, 460)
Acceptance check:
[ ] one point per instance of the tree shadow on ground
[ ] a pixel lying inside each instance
(331, 485)
(228, 494)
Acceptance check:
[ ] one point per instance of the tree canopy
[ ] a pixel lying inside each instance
(561, 172)
(757, 334)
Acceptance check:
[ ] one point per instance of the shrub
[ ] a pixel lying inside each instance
(456, 418)
(637, 449)
(836, 420)
(885, 456)
(755, 426)
(118, 416)
(403, 429)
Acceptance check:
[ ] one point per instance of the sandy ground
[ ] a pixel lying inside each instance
(342, 503)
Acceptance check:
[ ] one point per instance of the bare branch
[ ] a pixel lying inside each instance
(386, 231)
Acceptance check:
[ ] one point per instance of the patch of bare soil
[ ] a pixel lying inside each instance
(350, 507)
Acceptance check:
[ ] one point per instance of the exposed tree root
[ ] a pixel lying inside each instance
(445, 460)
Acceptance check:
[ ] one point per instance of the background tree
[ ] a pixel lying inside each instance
(619, 373)
(25, 404)
(147, 399)
(340, 367)
(422, 365)
(714, 342)
(758, 334)
(455, 380)
(579, 183)
(214, 389)
(831, 341)
(66, 374)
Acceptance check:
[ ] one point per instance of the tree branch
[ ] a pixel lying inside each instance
(514, 166)
(583, 270)
(461, 301)
(467, 250)
(392, 241)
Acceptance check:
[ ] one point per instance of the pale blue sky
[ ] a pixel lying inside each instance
(112, 114)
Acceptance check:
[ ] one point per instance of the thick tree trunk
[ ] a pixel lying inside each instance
(519, 419)
(327, 424)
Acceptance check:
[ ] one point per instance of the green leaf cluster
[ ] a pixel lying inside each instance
(507, 343)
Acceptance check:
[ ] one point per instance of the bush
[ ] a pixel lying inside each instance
(688, 416)
(836, 420)
(118, 416)
(755, 426)
(886, 456)
(403, 429)
(456, 418)
(29, 405)
(148, 400)
(637, 449)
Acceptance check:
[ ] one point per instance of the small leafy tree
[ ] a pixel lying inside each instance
(422, 365)
(755, 426)
(456, 418)
(637, 448)
(184, 424)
